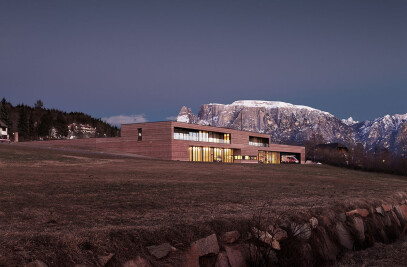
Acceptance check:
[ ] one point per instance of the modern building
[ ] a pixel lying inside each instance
(191, 142)
(171, 140)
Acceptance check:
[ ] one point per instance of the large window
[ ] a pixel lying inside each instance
(201, 136)
(210, 154)
(269, 157)
(258, 141)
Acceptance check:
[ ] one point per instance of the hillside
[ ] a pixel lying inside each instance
(68, 208)
(39, 123)
(295, 124)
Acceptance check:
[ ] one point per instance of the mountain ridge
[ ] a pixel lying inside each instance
(296, 124)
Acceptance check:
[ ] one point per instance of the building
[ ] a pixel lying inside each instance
(189, 142)
(171, 140)
(3, 132)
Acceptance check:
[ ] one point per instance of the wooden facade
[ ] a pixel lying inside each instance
(156, 140)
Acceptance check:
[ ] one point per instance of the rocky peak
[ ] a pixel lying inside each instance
(350, 121)
(186, 115)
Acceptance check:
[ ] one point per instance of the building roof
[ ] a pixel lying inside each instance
(2, 124)
(197, 126)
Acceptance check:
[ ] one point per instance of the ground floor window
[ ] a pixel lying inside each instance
(210, 154)
(250, 157)
(269, 157)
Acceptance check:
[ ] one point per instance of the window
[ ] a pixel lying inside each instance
(201, 136)
(269, 157)
(210, 154)
(139, 135)
(258, 141)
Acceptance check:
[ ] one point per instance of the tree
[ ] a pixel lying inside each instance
(61, 126)
(45, 124)
(4, 114)
(23, 129)
(39, 104)
(310, 145)
(33, 131)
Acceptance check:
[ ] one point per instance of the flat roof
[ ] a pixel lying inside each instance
(195, 124)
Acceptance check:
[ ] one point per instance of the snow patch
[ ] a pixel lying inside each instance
(350, 121)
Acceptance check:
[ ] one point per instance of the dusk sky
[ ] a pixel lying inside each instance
(147, 59)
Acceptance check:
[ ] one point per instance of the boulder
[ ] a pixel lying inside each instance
(275, 244)
(324, 246)
(395, 218)
(325, 221)
(403, 209)
(235, 256)
(263, 236)
(359, 227)
(37, 263)
(345, 239)
(386, 207)
(222, 260)
(342, 217)
(230, 237)
(190, 258)
(103, 260)
(387, 219)
(138, 262)
(399, 212)
(280, 234)
(207, 245)
(313, 222)
(161, 251)
(379, 210)
(277, 233)
(361, 212)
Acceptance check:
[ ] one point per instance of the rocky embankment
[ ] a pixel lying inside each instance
(318, 240)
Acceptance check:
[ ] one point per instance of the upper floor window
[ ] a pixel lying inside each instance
(201, 136)
(258, 141)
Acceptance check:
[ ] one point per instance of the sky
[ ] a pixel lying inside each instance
(134, 61)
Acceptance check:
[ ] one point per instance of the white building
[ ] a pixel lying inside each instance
(3, 130)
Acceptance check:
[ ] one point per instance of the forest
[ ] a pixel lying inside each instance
(39, 123)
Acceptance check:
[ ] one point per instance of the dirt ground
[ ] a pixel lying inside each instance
(67, 207)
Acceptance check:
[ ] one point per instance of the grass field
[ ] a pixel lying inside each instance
(67, 207)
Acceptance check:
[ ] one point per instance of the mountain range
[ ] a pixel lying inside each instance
(295, 124)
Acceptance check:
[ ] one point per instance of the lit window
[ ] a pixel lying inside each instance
(140, 135)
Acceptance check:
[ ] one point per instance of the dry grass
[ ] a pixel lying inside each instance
(68, 207)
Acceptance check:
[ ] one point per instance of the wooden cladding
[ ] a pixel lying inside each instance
(156, 140)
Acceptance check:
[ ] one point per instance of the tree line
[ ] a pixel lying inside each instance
(357, 157)
(39, 123)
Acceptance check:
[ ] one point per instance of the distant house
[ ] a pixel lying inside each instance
(3, 132)
(330, 147)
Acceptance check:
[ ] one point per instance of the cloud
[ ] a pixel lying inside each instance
(171, 118)
(123, 119)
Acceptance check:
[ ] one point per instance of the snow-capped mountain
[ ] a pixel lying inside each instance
(295, 124)
(389, 132)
